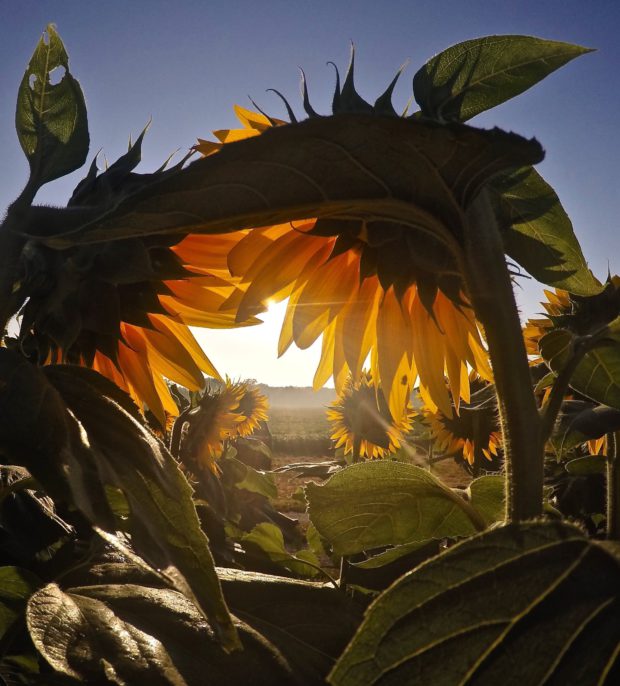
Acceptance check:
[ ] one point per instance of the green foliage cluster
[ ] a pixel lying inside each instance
(121, 566)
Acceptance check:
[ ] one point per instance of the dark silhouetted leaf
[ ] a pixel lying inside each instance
(417, 174)
(51, 120)
(581, 422)
(308, 622)
(538, 234)
(385, 503)
(471, 77)
(128, 634)
(597, 376)
(269, 539)
(522, 604)
(586, 465)
(16, 586)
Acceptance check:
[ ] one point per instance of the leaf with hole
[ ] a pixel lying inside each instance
(51, 119)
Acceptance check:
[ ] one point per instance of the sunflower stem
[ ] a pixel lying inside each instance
(490, 290)
(613, 486)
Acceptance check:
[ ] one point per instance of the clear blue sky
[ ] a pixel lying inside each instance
(185, 63)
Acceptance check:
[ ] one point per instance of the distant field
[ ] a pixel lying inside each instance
(299, 431)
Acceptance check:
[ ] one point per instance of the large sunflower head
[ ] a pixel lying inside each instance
(362, 422)
(124, 307)
(208, 425)
(366, 286)
(472, 434)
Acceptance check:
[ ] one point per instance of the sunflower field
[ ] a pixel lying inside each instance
(141, 540)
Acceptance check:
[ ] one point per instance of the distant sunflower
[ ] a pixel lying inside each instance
(362, 422)
(363, 286)
(124, 308)
(253, 407)
(580, 314)
(208, 425)
(473, 431)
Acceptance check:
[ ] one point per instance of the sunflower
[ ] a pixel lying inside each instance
(207, 426)
(124, 308)
(362, 422)
(252, 408)
(472, 432)
(582, 315)
(364, 286)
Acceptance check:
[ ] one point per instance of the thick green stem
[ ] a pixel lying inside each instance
(490, 290)
(613, 486)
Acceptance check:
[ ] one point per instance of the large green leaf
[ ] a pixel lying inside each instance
(16, 586)
(130, 634)
(76, 441)
(51, 120)
(386, 503)
(597, 375)
(538, 234)
(414, 173)
(522, 604)
(310, 623)
(487, 496)
(581, 421)
(269, 540)
(165, 525)
(471, 77)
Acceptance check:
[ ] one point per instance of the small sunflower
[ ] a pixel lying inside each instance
(580, 314)
(363, 423)
(471, 432)
(208, 425)
(253, 409)
(363, 285)
(124, 308)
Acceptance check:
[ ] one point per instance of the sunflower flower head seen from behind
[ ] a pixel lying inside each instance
(376, 288)
(124, 307)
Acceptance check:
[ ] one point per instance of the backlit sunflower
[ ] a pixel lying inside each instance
(473, 433)
(208, 425)
(124, 307)
(363, 286)
(580, 314)
(253, 407)
(362, 422)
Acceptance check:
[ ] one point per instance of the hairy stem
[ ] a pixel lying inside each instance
(490, 290)
(613, 486)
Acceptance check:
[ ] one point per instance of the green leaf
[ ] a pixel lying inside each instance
(487, 497)
(349, 166)
(310, 623)
(586, 465)
(165, 526)
(597, 376)
(129, 634)
(538, 233)
(471, 77)
(390, 555)
(76, 441)
(384, 503)
(51, 120)
(16, 586)
(522, 604)
(268, 538)
(249, 479)
(581, 422)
